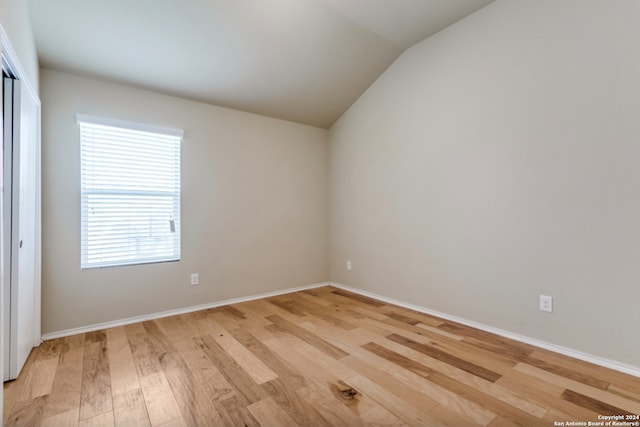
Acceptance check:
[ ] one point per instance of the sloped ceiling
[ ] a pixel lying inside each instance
(301, 60)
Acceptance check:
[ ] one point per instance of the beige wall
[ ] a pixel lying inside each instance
(14, 17)
(498, 160)
(254, 197)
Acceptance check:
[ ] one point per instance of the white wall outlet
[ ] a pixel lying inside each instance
(195, 279)
(546, 303)
(349, 265)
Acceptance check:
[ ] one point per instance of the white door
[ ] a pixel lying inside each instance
(22, 144)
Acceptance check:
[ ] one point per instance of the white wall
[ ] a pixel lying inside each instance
(254, 206)
(498, 160)
(14, 17)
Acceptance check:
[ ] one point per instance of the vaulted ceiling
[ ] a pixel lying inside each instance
(301, 60)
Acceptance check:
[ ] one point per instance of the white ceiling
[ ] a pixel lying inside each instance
(300, 60)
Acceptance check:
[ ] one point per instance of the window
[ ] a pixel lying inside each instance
(130, 191)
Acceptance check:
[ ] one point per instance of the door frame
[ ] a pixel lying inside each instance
(11, 63)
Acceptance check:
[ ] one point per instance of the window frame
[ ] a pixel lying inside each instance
(114, 192)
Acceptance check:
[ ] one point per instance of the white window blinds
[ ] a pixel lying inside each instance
(130, 191)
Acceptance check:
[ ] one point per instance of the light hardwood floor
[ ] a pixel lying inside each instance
(323, 357)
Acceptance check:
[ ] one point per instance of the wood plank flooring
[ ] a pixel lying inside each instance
(323, 357)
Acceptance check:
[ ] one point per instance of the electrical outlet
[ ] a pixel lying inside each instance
(546, 303)
(349, 265)
(195, 279)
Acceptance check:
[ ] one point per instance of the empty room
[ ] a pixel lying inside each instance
(320, 213)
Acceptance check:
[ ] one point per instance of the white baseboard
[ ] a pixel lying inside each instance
(596, 360)
(152, 316)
